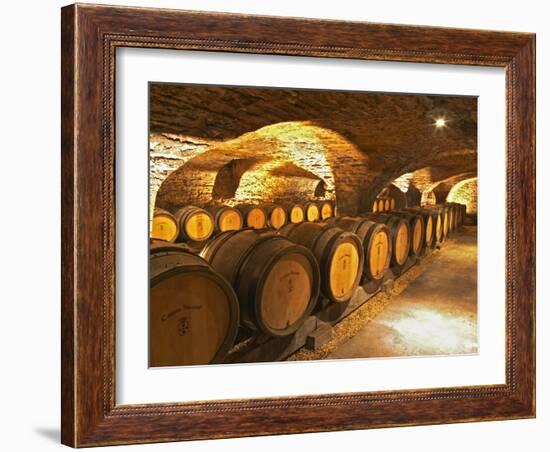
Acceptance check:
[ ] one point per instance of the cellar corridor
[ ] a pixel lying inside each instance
(434, 315)
(297, 224)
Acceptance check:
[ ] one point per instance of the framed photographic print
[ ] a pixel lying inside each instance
(280, 225)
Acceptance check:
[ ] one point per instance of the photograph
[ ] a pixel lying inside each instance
(292, 224)
(269, 225)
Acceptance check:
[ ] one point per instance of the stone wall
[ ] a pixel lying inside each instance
(236, 145)
(465, 192)
(281, 162)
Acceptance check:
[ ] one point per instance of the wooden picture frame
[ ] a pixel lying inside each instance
(90, 36)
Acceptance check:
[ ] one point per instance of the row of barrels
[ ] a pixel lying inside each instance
(270, 281)
(199, 224)
(383, 204)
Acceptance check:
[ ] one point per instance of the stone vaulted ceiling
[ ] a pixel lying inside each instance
(284, 142)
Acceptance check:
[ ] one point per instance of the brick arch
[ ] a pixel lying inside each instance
(465, 192)
(346, 172)
(443, 187)
(358, 143)
(248, 180)
(279, 182)
(418, 172)
(429, 181)
(300, 155)
(229, 177)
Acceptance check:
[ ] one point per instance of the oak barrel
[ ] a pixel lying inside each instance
(327, 209)
(195, 224)
(417, 229)
(295, 213)
(400, 234)
(456, 215)
(313, 212)
(463, 211)
(430, 220)
(338, 253)
(276, 216)
(376, 240)
(450, 218)
(226, 218)
(439, 218)
(438, 230)
(460, 210)
(276, 280)
(444, 220)
(254, 216)
(193, 310)
(164, 226)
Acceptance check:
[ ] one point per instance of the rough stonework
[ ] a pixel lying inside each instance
(465, 192)
(251, 145)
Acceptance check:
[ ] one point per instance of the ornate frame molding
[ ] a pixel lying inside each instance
(90, 36)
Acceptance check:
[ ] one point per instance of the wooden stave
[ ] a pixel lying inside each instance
(322, 206)
(366, 230)
(461, 211)
(162, 255)
(217, 211)
(245, 209)
(156, 246)
(183, 214)
(413, 218)
(457, 218)
(161, 212)
(439, 217)
(440, 238)
(445, 220)
(427, 214)
(464, 209)
(381, 205)
(450, 218)
(457, 214)
(239, 261)
(393, 223)
(323, 246)
(289, 207)
(269, 209)
(387, 204)
(312, 207)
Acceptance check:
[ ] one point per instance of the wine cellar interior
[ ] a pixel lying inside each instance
(294, 224)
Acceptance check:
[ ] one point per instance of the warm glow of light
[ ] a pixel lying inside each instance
(403, 182)
(465, 192)
(442, 333)
(440, 122)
